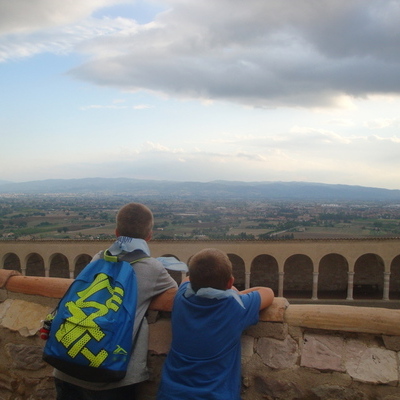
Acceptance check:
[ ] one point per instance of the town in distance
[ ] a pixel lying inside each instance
(219, 210)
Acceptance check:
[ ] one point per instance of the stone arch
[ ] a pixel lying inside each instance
(59, 266)
(239, 271)
(333, 277)
(265, 272)
(298, 278)
(368, 277)
(35, 265)
(12, 262)
(80, 262)
(394, 286)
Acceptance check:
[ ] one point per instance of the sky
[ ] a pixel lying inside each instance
(189, 90)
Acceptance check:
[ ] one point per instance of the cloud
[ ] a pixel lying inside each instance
(26, 16)
(142, 107)
(115, 107)
(267, 156)
(54, 27)
(102, 107)
(382, 123)
(316, 138)
(261, 53)
(315, 157)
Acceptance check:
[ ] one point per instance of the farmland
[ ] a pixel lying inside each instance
(85, 217)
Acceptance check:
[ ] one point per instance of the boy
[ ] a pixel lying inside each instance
(208, 318)
(133, 230)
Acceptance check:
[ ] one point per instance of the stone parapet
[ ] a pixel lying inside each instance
(313, 352)
(344, 318)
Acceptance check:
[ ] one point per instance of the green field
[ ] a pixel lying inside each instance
(76, 218)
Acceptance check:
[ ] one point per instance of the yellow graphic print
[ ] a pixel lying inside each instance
(79, 329)
(120, 350)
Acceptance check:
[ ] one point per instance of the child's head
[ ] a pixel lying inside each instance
(210, 268)
(135, 220)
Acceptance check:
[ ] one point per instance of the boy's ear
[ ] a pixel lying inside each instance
(149, 237)
(230, 283)
(116, 233)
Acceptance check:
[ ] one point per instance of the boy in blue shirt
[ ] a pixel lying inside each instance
(208, 318)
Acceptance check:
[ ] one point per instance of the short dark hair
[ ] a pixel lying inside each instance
(135, 220)
(210, 268)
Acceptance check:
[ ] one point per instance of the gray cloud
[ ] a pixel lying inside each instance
(259, 53)
(262, 53)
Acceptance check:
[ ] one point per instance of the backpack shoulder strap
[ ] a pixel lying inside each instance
(131, 257)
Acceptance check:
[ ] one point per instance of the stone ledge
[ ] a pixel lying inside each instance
(276, 311)
(328, 317)
(5, 276)
(56, 287)
(22, 316)
(344, 318)
(279, 360)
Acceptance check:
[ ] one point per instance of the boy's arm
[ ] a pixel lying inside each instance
(266, 294)
(164, 301)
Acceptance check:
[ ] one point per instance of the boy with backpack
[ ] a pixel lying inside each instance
(133, 230)
(208, 318)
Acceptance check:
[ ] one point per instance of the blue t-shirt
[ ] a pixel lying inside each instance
(204, 361)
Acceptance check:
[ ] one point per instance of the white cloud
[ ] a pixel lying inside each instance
(150, 147)
(371, 161)
(64, 36)
(27, 16)
(315, 136)
(102, 107)
(142, 107)
(382, 123)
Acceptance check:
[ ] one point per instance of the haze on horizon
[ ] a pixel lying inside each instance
(261, 90)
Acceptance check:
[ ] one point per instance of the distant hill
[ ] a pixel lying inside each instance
(200, 190)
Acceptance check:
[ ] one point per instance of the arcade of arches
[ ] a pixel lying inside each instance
(314, 269)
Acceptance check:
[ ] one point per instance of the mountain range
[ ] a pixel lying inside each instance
(233, 190)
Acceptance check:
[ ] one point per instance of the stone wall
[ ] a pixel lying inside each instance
(295, 351)
(305, 268)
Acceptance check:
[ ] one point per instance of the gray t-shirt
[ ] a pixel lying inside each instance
(152, 279)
